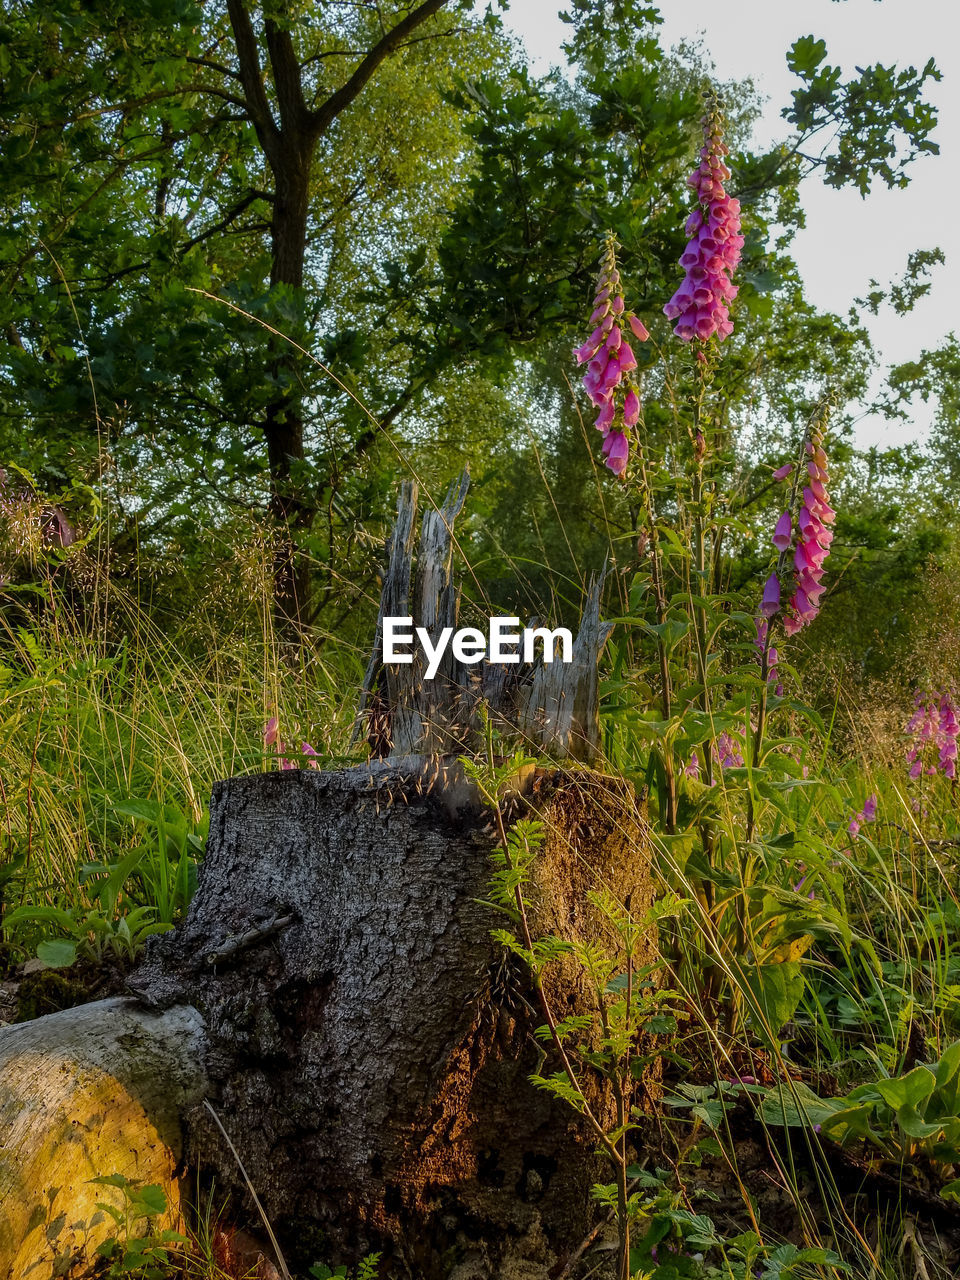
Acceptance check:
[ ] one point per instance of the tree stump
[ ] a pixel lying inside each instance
(369, 1047)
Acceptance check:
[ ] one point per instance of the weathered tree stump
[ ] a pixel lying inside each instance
(368, 1046)
(549, 707)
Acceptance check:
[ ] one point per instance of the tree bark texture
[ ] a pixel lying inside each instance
(90, 1091)
(369, 1046)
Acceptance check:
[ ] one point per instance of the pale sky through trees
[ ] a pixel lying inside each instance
(847, 240)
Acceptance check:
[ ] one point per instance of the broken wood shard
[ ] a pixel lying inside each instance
(548, 708)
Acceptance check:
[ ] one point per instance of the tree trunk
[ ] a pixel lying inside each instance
(87, 1092)
(283, 426)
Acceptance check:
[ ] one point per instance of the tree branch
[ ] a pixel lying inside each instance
(215, 66)
(226, 220)
(286, 78)
(252, 80)
(321, 119)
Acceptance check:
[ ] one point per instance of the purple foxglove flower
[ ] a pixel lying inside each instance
(714, 245)
(781, 473)
(727, 751)
(627, 359)
(609, 357)
(617, 450)
(638, 328)
(783, 532)
(813, 542)
(770, 604)
(631, 408)
(611, 375)
(590, 347)
(605, 416)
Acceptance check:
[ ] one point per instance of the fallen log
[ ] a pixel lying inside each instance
(91, 1091)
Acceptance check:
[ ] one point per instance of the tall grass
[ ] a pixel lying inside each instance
(105, 706)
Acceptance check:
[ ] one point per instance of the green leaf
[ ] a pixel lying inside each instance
(949, 1065)
(909, 1090)
(805, 55)
(57, 953)
(150, 1200)
(913, 1125)
(777, 989)
(111, 1180)
(795, 1105)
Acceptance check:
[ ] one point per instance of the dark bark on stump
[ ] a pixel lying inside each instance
(370, 1046)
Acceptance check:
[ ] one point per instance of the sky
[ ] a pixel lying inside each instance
(847, 240)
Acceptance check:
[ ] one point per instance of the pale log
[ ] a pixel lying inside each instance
(96, 1090)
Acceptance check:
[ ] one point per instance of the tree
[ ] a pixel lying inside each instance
(257, 154)
(217, 118)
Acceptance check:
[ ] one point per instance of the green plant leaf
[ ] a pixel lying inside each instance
(795, 1105)
(778, 990)
(57, 953)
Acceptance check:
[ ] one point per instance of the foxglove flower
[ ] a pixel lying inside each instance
(770, 604)
(700, 304)
(610, 360)
(728, 751)
(934, 730)
(809, 540)
(813, 543)
(271, 738)
(866, 815)
(924, 727)
(948, 737)
(760, 642)
(783, 532)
